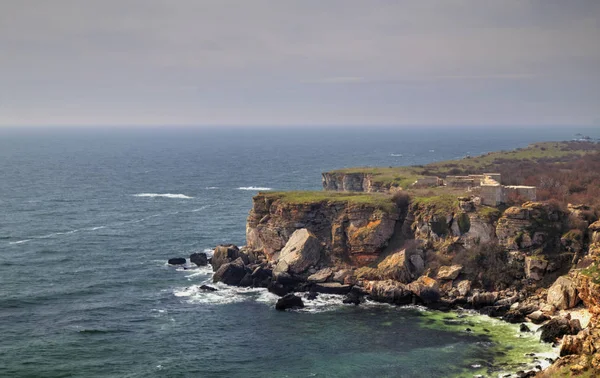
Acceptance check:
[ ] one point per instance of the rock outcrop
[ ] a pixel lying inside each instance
(351, 232)
(355, 182)
(563, 294)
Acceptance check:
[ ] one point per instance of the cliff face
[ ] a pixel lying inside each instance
(353, 182)
(351, 232)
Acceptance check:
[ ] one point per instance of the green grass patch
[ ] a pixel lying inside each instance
(377, 200)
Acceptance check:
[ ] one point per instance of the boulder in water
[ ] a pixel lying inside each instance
(208, 288)
(289, 301)
(177, 261)
(199, 258)
(231, 273)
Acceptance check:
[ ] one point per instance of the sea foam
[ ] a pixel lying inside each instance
(163, 195)
(255, 188)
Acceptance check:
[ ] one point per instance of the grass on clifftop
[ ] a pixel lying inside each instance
(378, 200)
(490, 162)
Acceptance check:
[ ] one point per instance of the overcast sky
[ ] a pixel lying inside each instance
(279, 62)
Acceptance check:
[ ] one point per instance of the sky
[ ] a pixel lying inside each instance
(302, 62)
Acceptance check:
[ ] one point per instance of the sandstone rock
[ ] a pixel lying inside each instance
(176, 261)
(224, 254)
(354, 232)
(449, 272)
(426, 288)
(289, 301)
(320, 276)
(464, 287)
(300, 252)
(563, 294)
(231, 273)
(199, 258)
(331, 288)
(535, 267)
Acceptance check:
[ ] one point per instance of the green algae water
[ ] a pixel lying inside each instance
(88, 219)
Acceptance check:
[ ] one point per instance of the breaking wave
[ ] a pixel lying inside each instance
(254, 188)
(163, 195)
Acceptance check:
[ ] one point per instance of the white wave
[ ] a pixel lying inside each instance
(211, 187)
(255, 188)
(19, 242)
(198, 209)
(163, 195)
(397, 155)
(96, 228)
(225, 294)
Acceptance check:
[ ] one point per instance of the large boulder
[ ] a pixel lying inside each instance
(558, 327)
(231, 273)
(224, 254)
(300, 252)
(199, 258)
(426, 289)
(563, 294)
(289, 301)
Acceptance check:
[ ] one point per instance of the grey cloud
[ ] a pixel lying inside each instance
(280, 61)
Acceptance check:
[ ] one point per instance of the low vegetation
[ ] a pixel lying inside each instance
(378, 200)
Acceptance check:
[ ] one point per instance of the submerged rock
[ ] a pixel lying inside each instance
(289, 301)
(208, 288)
(177, 261)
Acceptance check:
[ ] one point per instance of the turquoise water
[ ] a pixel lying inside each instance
(88, 219)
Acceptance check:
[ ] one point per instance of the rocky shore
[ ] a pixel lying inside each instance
(533, 262)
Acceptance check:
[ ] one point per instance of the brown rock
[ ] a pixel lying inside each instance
(302, 250)
(563, 294)
(449, 272)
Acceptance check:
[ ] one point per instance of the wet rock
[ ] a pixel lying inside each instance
(353, 297)
(514, 316)
(289, 301)
(231, 273)
(426, 289)
(177, 261)
(199, 258)
(278, 289)
(311, 295)
(557, 328)
(524, 328)
(331, 288)
(247, 280)
(208, 288)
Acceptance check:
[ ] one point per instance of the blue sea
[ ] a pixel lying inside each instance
(89, 217)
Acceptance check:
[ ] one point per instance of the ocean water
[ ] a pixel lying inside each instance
(88, 218)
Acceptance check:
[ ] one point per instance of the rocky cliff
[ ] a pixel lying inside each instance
(354, 229)
(354, 182)
(529, 262)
